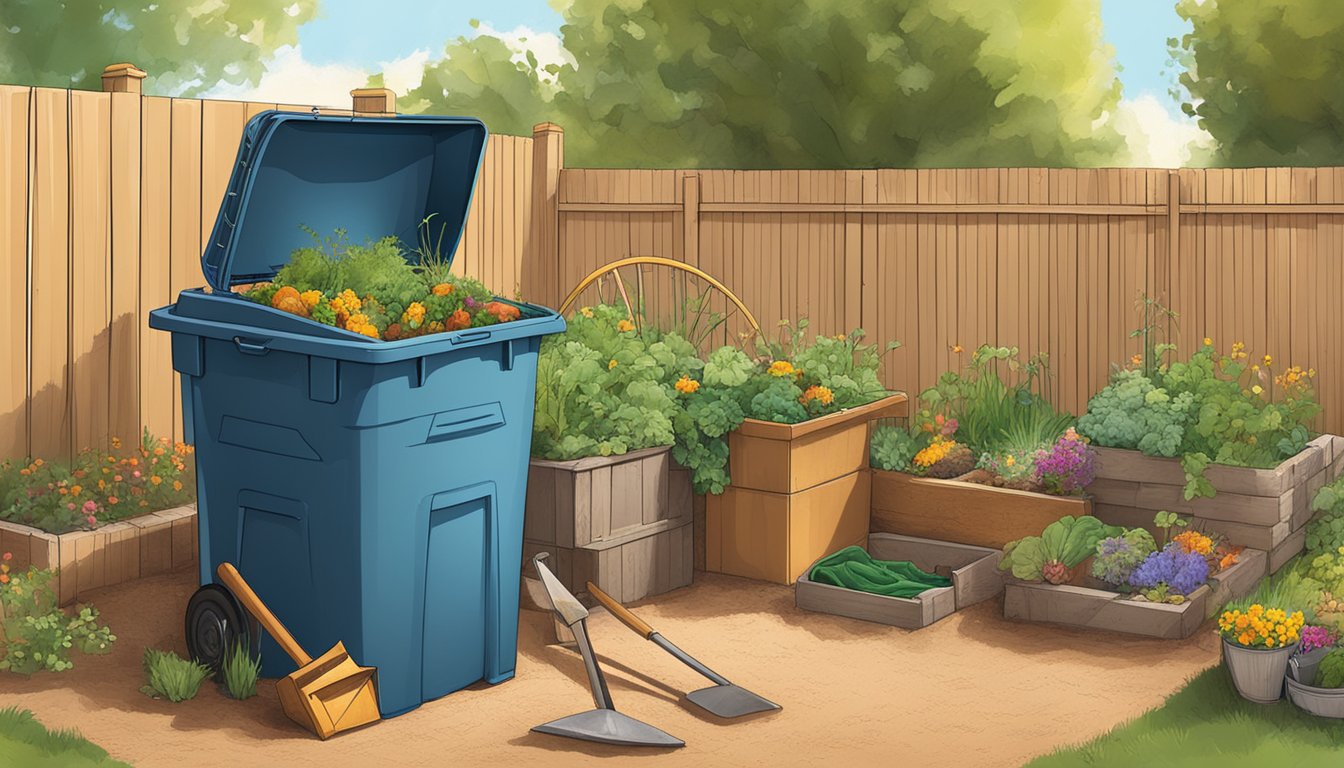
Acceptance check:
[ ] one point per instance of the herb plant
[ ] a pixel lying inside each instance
(1118, 556)
(169, 676)
(1170, 574)
(35, 634)
(240, 671)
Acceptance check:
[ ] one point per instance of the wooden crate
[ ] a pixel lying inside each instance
(1088, 608)
(974, 572)
(776, 536)
(647, 562)
(111, 554)
(576, 503)
(965, 513)
(787, 458)
(1265, 509)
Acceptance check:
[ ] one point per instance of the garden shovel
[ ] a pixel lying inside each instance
(723, 698)
(603, 724)
(326, 695)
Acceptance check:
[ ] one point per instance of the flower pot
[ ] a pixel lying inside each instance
(1308, 662)
(1258, 672)
(1322, 702)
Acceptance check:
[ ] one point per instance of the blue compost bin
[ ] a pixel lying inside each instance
(371, 492)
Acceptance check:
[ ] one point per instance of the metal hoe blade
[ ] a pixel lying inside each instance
(603, 724)
(723, 698)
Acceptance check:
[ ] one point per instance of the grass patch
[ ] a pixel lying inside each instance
(1207, 725)
(172, 677)
(26, 742)
(240, 671)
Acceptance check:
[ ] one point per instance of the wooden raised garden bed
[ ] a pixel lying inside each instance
(622, 521)
(799, 492)
(962, 512)
(973, 570)
(1262, 508)
(1088, 608)
(118, 552)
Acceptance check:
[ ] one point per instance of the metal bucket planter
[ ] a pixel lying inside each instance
(1258, 673)
(1322, 702)
(1306, 664)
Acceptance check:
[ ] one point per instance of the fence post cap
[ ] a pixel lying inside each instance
(374, 101)
(547, 128)
(122, 78)
(125, 69)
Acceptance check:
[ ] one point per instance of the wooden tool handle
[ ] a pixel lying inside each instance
(234, 581)
(619, 611)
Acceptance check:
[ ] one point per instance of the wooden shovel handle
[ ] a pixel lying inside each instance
(619, 611)
(234, 581)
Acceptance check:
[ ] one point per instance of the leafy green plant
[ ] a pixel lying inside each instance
(35, 634)
(1063, 545)
(1330, 674)
(1325, 531)
(26, 742)
(1166, 521)
(1117, 556)
(1000, 402)
(892, 447)
(240, 671)
(172, 677)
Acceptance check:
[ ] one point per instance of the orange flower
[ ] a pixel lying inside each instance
(686, 385)
(116, 478)
(76, 489)
(4, 578)
(507, 312)
(177, 485)
(442, 289)
(624, 326)
(956, 349)
(156, 480)
(818, 393)
(111, 499)
(37, 462)
(781, 368)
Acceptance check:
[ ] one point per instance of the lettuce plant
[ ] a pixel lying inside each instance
(1063, 545)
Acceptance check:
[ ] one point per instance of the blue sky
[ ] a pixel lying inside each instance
(348, 34)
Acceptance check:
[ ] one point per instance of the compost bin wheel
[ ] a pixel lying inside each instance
(214, 623)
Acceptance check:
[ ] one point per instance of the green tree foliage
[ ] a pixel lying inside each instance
(815, 84)
(186, 46)
(1263, 79)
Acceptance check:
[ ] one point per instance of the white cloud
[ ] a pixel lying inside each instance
(1156, 137)
(546, 46)
(292, 79)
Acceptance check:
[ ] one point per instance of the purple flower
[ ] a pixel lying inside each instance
(1314, 637)
(470, 303)
(1067, 467)
(1183, 572)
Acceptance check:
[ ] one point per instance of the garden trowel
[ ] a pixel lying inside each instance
(723, 698)
(603, 724)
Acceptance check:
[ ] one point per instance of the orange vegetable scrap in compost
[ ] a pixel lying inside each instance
(458, 320)
(287, 299)
(502, 312)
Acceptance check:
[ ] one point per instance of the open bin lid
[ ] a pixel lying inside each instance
(371, 176)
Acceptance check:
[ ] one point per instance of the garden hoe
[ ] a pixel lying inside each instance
(723, 698)
(603, 724)
(326, 695)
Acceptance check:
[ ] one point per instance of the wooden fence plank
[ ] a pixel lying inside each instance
(14, 149)
(185, 218)
(49, 336)
(157, 380)
(90, 285)
(126, 318)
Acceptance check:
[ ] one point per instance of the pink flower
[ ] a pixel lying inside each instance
(90, 506)
(92, 521)
(71, 505)
(136, 473)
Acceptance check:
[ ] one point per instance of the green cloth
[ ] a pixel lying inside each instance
(854, 568)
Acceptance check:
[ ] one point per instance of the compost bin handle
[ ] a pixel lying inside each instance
(619, 611)
(234, 581)
(250, 346)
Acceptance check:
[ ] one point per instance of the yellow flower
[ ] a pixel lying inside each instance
(935, 452)
(956, 349)
(819, 393)
(413, 316)
(1257, 389)
(586, 311)
(1255, 366)
(350, 300)
(1136, 359)
(1208, 342)
(686, 385)
(611, 364)
(1268, 360)
(624, 326)
(311, 298)
(1010, 461)
(781, 368)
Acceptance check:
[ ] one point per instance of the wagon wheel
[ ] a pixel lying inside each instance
(668, 295)
(214, 623)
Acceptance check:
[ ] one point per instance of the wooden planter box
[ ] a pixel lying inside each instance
(1262, 508)
(799, 492)
(966, 513)
(1082, 606)
(112, 554)
(974, 572)
(622, 521)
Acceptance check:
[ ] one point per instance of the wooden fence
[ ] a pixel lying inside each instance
(106, 199)
(1051, 260)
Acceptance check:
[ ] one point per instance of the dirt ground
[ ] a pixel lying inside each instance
(971, 690)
